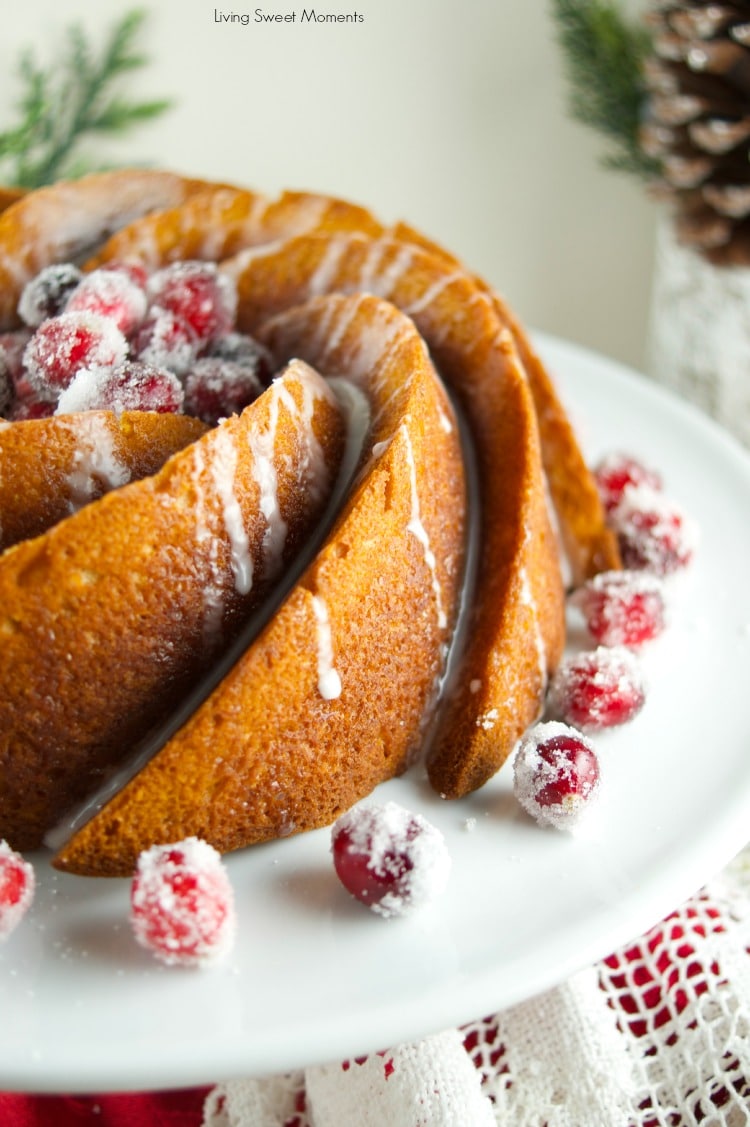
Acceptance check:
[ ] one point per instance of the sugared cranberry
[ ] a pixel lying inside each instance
(653, 532)
(62, 346)
(133, 269)
(182, 904)
(622, 608)
(199, 294)
(618, 471)
(112, 294)
(12, 347)
(216, 388)
(16, 888)
(46, 295)
(389, 858)
(32, 408)
(597, 689)
(246, 351)
(555, 774)
(6, 387)
(132, 386)
(166, 340)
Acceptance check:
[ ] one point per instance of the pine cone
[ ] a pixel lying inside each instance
(697, 123)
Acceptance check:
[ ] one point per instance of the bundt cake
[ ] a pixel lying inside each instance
(366, 662)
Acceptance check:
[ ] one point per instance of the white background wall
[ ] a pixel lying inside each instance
(448, 113)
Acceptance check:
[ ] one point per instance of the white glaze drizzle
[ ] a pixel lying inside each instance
(94, 460)
(329, 681)
(223, 468)
(417, 528)
(207, 542)
(262, 444)
(432, 293)
(321, 281)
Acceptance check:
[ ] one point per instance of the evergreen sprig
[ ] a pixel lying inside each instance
(71, 100)
(603, 53)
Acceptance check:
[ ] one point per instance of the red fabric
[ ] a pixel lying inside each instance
(164, 1109)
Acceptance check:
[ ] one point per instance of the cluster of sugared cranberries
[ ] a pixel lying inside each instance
(390, 859)
(120, 339)
(182, 903)
(16, 888)
(623, 611)
(653, 532)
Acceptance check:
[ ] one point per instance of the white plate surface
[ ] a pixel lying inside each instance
(316, 977)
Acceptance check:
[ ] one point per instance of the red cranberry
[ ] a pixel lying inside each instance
(555, 774)
(12, 347)
(199, 294)
(46, 295)
(597, 689)
(132, 386)
(7, 392)
(62, 346)
(654, 534)
(166, 340)
(133, 269)
(216, 388)
(16, 888)
(182, 904)
(31, 408)
(112, 294)
(618, 471)
(245, 351)
(389, 859)
(622, 608)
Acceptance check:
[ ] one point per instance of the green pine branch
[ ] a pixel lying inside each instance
(70, 101)
(603, 54)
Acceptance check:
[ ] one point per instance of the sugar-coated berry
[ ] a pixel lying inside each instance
(616, 472)
(135, 270)
(12, 347)
(16, 888)
(216, 388)
(7, 392)
(199, 294)
(132, 386)
(63, 345)
(390, 859)
(653, 532)
(622, 608)
(31, 407)
(182, 903)
(246, 351)
(166, 340)
(598, 689)
(555, 774)
(46, 295)
(112, 294)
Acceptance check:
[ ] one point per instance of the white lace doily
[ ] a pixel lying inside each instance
(656, 1035)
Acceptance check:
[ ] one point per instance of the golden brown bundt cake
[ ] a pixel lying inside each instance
(333, 696)
(341, 687)
(111, 615)
(51, 467)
